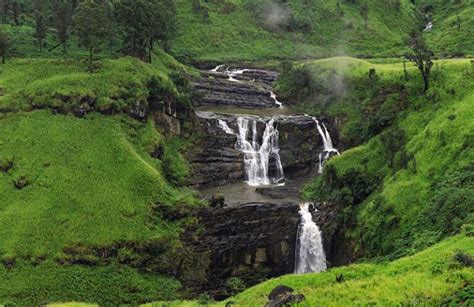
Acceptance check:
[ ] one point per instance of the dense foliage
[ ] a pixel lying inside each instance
(404, 187)
(121, 26)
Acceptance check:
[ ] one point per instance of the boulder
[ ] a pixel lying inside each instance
(283, 296)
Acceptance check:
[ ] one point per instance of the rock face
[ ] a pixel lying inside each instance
(215, 160)
(338, 249)
(253, 242)
(250, 89)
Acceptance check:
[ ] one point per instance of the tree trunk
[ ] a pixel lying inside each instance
(3, 57)
(426, 81)
(150, 49)
(90, 59)
(64, 47)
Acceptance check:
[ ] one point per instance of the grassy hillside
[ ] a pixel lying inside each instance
(256, 30)
(80, 211)
(410, 180)
(453, 26)
(434, 276)
(427, 277)
(64, 84)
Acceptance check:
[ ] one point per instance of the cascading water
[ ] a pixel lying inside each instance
(257, 157)
(233, 73)
(310, 256)
(328, 149)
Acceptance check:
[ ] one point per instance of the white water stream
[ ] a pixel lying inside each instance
(328, 147)
(257, 155)
(310, 256)
(233, 73)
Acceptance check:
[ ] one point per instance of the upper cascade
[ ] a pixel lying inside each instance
(310, 256)
(234, 75)
(259, 157)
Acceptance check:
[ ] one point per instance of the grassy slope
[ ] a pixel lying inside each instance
(446, 38)
(92, 183)
(415, 205)
(28, 83)
(429, 277)
(239, 35)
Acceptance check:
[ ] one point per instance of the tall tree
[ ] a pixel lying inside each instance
(40, 23)
(146, 21)
(4, 6)
(421, 56)
(90, 24)
(364, 13)
(169, 25)
(61, 10)
(4, 44)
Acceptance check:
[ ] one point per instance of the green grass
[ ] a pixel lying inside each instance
(429, 277)
(61, 83)
(409, 182)
(89, 182)
(447, 38)
(233, 31)
(28, 285)
(92, 184)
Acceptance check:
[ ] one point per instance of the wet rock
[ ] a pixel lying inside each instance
(252, 242)
(6, 165)
(79, 112)
(217, 200)
(216, 162)
(158, 152)
(283, 296)
(251, 91)
(21, 182)
(138, 111)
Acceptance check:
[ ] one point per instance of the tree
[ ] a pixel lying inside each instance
(61, 10)
(169, 24)
(4, 6)
(146, 21)
(40, 28)
(364, 12)
(90, 24)
(420, 55)
(131, 15)
(4, 44)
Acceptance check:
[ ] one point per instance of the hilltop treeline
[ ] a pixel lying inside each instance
(131, 27)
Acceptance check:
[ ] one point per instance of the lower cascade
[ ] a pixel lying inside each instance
(310, 257)
(257, 157)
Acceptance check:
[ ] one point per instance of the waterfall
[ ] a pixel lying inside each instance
(257, 156)
(310, 257)
(328, 147)
(273, 96)
(232, 73)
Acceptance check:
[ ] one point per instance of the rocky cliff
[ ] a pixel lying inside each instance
(253, 242)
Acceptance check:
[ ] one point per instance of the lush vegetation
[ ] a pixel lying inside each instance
(92, 187)
(82, 196)
(409, 180)
(453, 26)
(83, 192)
(431, 276)
(212, 30)
(40, 27)
(439, 275)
